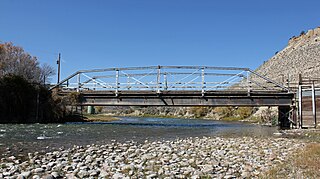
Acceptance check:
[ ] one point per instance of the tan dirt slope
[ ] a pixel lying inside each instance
(302, 55)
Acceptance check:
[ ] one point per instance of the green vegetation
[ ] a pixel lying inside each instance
(236, 113)
(199, 112)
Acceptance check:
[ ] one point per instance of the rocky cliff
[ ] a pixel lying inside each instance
(301, 56)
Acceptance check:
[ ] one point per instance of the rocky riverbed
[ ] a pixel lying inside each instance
(217, 157)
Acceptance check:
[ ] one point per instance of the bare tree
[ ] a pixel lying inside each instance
(46, 72)
(22, 99)
(15, 61)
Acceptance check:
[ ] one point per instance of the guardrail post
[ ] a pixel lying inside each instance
(203, 82)
(117, 82)
(158, 79)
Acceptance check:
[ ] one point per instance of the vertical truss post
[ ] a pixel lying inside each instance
(300, 106)
(248, 83)
(314, 111)
(128, 83)
(94, 84)
(117, 82)
(202, 82)
(158, 79)
(165, 81)
(79, 82)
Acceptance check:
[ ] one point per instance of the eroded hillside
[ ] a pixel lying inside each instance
(301, 56)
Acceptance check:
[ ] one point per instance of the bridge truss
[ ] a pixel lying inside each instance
(160, 79)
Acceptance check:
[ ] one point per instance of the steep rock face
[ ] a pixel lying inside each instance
(301, 56)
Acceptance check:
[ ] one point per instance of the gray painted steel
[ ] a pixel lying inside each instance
(184, 98)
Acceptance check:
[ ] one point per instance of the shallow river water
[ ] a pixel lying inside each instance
(19, 139)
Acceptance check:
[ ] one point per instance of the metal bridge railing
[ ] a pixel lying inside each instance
(166, 78)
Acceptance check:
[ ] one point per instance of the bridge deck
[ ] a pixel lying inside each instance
(185, 98)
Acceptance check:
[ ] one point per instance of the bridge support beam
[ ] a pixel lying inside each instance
(284, 117)
(184, 98)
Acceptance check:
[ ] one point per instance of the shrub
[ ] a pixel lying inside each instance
(199, 111)
(99, 109)
(244, 112)
(23, 102)
(224, 111)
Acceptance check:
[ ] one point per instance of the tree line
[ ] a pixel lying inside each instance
(24, 97)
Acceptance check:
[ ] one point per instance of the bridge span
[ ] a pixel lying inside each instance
(178, 86)
(185, 98)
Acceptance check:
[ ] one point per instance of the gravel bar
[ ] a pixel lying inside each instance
(218, 157)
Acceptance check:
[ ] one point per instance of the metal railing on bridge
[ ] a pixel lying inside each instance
(168, 78)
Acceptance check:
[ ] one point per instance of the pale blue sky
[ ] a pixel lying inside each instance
(118, 33)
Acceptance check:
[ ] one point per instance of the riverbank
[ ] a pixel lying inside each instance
(251, 120)
(217, 157)
(261, 115)
(305, 163)
(99, 118)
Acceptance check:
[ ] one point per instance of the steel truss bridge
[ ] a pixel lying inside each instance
(177, 86)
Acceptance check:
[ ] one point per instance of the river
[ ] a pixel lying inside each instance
(19, 139)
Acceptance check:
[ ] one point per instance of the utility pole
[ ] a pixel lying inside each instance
(59, 62)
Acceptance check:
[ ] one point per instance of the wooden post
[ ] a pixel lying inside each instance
(300, 79)
(294, 115)
(314, 110)
(300, 106)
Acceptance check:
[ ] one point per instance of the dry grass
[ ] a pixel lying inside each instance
(309, 160)
(304, 164)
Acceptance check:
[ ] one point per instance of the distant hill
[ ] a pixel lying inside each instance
(301, 56)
